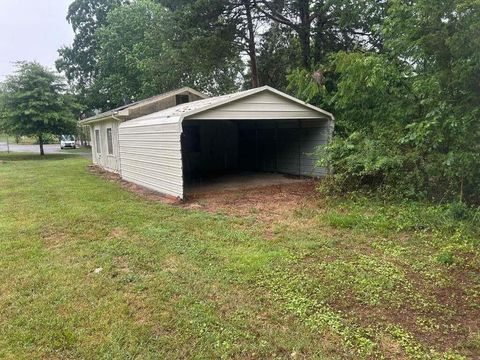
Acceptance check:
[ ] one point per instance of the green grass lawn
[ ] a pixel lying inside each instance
(89, 270)
(78, 150)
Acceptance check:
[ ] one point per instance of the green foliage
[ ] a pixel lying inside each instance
(129, 44)
(79, 62)
(127, 51)
(322, 27)
(445, 258)
(279, 55)
(407, 117)
(201, 46)
(35, 104)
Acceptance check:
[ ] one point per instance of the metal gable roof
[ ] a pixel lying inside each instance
(178, 113)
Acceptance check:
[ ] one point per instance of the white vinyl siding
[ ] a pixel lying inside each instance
(265, 105)
(106, 152)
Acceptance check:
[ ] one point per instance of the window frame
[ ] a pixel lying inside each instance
(109, 141)
(97, 141)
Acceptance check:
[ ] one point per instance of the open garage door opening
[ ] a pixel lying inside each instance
(228, 154)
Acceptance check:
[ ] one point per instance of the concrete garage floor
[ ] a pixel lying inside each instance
(241, 181)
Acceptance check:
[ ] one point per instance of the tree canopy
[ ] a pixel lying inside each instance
(34, 103)
(408, 116)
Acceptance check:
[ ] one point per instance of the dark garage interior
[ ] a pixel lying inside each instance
(212, 149)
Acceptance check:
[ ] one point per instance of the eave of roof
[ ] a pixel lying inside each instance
(122, 112)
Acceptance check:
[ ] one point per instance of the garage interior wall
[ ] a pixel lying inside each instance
(212, 147)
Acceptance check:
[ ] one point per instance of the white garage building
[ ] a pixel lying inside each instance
(258, 130)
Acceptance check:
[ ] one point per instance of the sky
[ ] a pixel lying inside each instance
(32, 30)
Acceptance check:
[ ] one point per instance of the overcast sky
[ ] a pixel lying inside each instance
(32, 30)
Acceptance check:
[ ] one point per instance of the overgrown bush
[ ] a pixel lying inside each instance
(407, 118)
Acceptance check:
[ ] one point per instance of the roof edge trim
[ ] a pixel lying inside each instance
(253, 92)
(114, 116)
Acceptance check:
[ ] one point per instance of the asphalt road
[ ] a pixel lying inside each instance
(48, 148)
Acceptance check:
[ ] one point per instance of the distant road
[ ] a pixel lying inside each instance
(48, 148)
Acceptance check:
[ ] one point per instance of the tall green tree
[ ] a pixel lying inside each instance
(130, 47)
(146, 49)
(79, 61)
(35, 103)
(202, 42)
(230, 25)
(326, 25)
(279, 55)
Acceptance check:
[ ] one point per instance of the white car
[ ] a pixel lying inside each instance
(67, 141)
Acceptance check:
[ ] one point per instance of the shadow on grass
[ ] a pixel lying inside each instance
(14, 156)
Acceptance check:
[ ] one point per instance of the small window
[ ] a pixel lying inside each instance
(181, 99)
(109, 141)
(97, 141)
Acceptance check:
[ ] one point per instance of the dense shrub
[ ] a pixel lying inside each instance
(407, 118)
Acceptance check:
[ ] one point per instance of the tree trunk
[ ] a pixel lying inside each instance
(305, 44)
(304, 31)
(252, 51)
(40, 142)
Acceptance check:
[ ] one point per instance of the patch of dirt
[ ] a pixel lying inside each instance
(452, 318)
(54, 238)
(117, 233)
(391, 348)
(137, 189)
(172, 264)
(266, 202)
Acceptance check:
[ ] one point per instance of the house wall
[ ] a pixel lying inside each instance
(100, 155)
(112, 162)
